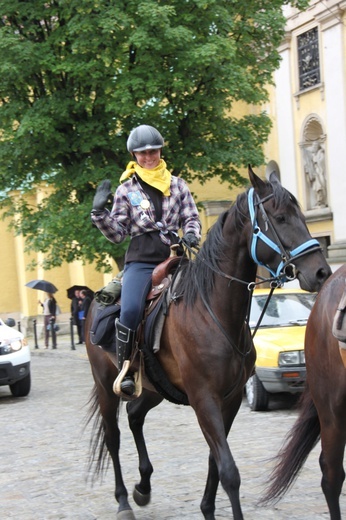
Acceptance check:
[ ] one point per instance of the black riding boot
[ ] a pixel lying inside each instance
(124, 339)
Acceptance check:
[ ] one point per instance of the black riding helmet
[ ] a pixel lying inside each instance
(144, 137)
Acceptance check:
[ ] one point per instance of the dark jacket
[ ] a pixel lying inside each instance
(75, 308)
(86, 302)
(52, 307)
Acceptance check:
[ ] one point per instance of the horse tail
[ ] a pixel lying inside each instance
(98, 459)
(300, 440)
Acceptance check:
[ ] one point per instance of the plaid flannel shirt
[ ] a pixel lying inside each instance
(131, 216)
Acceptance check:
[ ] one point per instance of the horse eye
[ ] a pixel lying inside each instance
(280, 219)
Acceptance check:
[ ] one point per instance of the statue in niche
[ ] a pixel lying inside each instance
(315, 169)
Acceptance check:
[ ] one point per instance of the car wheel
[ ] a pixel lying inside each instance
(256, 395)
(21, 388)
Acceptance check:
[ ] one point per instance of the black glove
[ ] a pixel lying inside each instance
(190, 240)
(103, 195)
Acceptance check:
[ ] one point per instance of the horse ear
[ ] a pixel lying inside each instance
(273, 179)
(255, 180)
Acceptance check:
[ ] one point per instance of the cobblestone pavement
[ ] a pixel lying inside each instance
(44, 454)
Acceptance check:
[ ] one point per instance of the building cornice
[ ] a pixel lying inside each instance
(328, 13)
(331, 17)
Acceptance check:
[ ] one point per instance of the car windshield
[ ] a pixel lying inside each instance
(282, 310)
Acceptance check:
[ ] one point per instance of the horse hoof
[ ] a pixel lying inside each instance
(140, 499)
(126, 514)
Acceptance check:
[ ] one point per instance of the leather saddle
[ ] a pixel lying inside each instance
(161, 279)
(339, 322)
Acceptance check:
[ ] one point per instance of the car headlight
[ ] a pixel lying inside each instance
(294, 357)
(11, 346)
(16, 345)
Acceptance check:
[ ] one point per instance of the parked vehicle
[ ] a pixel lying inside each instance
(279, 343)
(14, 359)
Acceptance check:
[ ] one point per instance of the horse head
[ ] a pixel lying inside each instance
(280, 239)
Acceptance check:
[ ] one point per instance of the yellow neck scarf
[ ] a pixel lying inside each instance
(158, 177)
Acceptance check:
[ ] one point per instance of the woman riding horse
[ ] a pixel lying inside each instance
(206, 349)
(151, 206)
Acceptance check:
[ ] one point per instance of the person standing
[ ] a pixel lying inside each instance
(49, 306)
(84, 309)
(75, 308)
(150, 206)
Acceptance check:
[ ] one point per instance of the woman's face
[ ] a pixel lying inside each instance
(148, 159)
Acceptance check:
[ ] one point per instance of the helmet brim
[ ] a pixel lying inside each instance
(147, 147)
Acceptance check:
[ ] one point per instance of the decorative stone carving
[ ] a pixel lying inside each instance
(314, 163)
(315, 169)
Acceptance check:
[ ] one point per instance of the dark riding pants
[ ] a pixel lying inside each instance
(135, 287)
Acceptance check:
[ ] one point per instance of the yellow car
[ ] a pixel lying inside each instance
(279, 343)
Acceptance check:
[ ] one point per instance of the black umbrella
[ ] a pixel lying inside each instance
(71, 290)
(42, 285)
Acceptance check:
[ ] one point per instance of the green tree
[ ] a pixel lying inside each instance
(77, 75)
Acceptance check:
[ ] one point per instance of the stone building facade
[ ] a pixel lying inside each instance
(308, 109)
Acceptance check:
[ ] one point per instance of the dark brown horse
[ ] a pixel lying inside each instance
(323, 405)
(206, 347)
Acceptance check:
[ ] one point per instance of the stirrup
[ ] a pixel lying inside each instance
(121, 376)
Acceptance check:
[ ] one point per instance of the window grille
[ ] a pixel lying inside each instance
(308, 59)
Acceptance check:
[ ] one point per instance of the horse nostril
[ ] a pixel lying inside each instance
(323, 274)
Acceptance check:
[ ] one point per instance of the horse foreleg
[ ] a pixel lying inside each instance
(137, 411)
(222, 466)
(208, 501)
(331, 464)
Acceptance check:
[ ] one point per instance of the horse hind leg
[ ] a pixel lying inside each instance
(333, 474)
(106, 434)
(137, 411)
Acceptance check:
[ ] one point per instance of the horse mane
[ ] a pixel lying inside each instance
(197, 277)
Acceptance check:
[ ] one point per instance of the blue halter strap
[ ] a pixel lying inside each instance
(258, 234)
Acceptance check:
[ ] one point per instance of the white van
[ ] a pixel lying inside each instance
(14, 359)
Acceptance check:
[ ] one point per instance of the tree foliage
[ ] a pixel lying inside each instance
(77, 75)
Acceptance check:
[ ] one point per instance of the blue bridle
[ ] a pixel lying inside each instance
(286, 256)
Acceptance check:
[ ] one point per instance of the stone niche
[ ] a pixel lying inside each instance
(314, 170)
